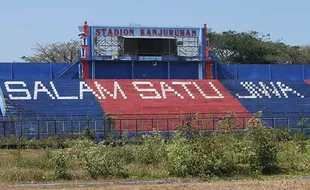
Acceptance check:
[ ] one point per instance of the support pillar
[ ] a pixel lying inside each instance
(209, 69)
(84, 54)
(85, 69)
(208, 60)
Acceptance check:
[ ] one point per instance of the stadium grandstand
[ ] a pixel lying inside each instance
(140, 79)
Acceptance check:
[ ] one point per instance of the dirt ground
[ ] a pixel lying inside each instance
(292, 184)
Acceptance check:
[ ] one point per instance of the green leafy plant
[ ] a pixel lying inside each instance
(60, 161)
(264, 146)
(89, 133)
(151, 150)
(102, 162)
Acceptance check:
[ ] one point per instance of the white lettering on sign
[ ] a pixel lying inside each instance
(152, 90)
(84, 88)
(166, 88)
(39, 87)
(278, 90)
(61, 97)
(9, 89)
(17, 90)
(146, 90)
(113, 95)
(183, 84)
(266, 89)
(285, 89)
(220, 95)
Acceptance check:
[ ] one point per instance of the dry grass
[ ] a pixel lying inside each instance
(292, 184)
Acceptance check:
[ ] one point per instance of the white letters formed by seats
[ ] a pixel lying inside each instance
(153, 90)
(20, 90)
(169, 88)
(166, 88)
(85, 88)
(209, 97)
(113, 95)
(185, 88)
(278, 90)
(17, 90)
(39, 87)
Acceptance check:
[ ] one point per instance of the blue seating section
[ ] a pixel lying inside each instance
(262, 71)
(38, 107)
(49, 106)
(276, 99)
(22, 71)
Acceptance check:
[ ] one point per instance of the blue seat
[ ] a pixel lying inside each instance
(283, 103)
(49, 107)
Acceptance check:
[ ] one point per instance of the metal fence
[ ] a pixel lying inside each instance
(118, 125)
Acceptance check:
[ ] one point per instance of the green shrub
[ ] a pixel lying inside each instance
(225, 153)
(179, 156)
(104, 162)
(126, 153)
(216, 155)
(89, 133)
(60, 161)
(264, 147)
(152, 150)
(292, 160)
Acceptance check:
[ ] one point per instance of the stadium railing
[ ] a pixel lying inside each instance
(38, 127)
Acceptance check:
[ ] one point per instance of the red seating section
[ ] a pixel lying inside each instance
(160, 100)
(308, 81)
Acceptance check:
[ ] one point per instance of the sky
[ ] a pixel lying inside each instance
(27, 22)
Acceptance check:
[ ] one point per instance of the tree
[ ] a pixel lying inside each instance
(55, 52)
(254, 47)
(244, 47)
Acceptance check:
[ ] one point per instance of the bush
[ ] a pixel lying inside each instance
(102, 162)
(60, 161)
(292, 160)
(179, 157)
(205, 157)
(215, 155)
(152, 150)
(264, 147)
(89, 133)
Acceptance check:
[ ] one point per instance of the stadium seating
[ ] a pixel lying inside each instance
(51, 105)
(38, 71)
(71, 105)
(162, 99)
(276, 99)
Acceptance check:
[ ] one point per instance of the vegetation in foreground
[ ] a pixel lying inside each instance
(222, 155)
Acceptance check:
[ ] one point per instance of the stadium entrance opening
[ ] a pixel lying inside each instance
(147, 46)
